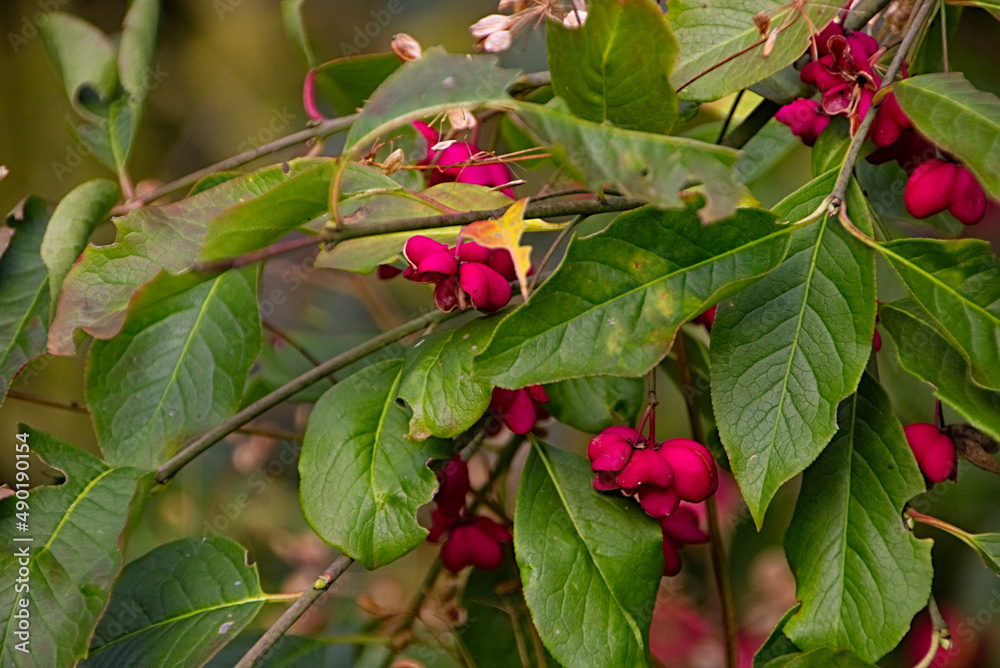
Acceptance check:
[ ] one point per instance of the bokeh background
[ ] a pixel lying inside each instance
(227, 79)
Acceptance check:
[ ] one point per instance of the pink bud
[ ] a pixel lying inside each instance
(515, 409)
(889, 123)
(470, 251)
(454, 485)
(671, 559)
(387, 271)
(645, 467)
(537, 393)
(876, 341)
(611, 449)
(707, 318)
(683, 527)
(695, 475)
(446, 295)
(476, 544)
(934, 451)
(968, 201)
(486, 288)
(604, 481)
(501, 262)
(929, 188)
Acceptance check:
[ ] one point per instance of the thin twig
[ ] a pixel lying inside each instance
(189, 452)
(729, 116)
(290, 341)
(324, 129)
(844, 178)
(751, 125)
(333, 236)
(309, 596)
(719, 564)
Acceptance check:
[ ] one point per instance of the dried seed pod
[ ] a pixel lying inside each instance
(406, 48)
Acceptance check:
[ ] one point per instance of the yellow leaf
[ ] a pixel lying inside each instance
(506, 233)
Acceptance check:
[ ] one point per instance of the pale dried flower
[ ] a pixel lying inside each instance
(489, 25)
(498, 42)
(507, 4)
(575, 19)
(461, 119)
(406, 48)
(393, 162)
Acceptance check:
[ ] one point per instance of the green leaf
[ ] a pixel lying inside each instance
(362, 481)
(824, 657)
(588, 561)
(75, 548)
(295, 29)
(75, 217)
(97, 290)
(349, 82)
(596, 403)
(831, 146)
(430, 85)
(958, 282)
(85, 60)
(438, 383)
(178, 605)
(957, 118)
(617, 299)
(789, 348)
(364, 254)
(709, 33)
(616, 67)
(777, 644)
(498, 632)
(177, 367)
(136, 48)
(992, 6)
(651, 168)
(927, 354)
(24, 299)
(987, 545)
(860, 574)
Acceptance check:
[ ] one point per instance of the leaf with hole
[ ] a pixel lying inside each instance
(648, 167)
(362, 481)
(78, 529)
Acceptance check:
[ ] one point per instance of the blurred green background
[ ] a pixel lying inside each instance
(227, 80)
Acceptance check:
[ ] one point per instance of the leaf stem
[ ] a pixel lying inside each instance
(843, 179)
(166, 471)
(552, 249)
(964, 536)
(751, 125)
(308, 597)
(720, 566)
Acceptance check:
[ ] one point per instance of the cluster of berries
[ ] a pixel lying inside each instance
(463, 275)
(469, 540)
(660, 477)
(843, 72)
(934, 450)
(519, 409)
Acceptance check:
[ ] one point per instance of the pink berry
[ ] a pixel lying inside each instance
(695, 475)
(611, 449)
(658, 502)
(929, 188)
(645, 467)
(486, 288)
(803, 118)
(968, 201)
(934, 451)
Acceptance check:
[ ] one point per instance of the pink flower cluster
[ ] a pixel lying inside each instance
(520, 409)
(463, 275)
(452, 165)
(471, 540)
(660, 478)
(843, 73)
(934, 450)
